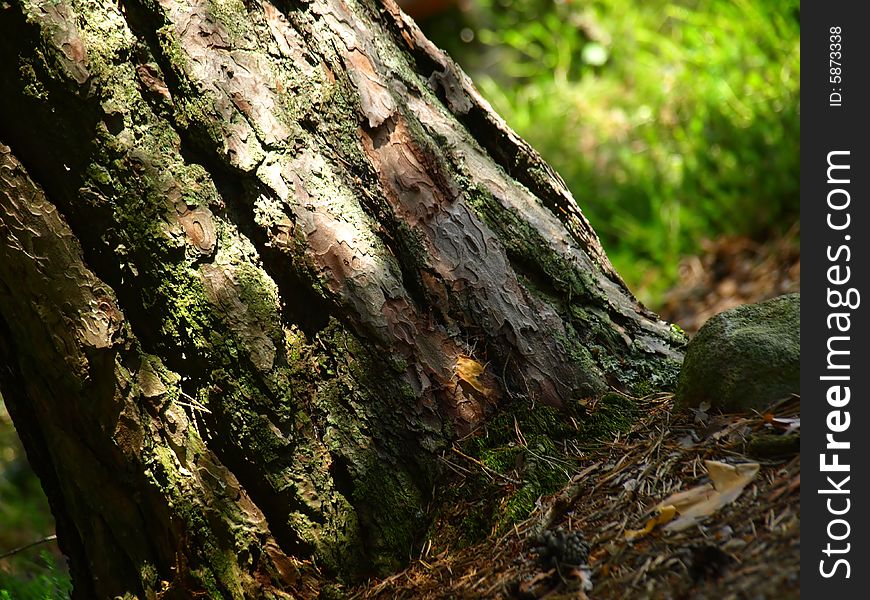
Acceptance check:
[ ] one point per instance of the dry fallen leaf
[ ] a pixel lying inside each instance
(665, 515)
(682, 501)
(469, 370)
(728, 482)
(694, 504)
(788, 424)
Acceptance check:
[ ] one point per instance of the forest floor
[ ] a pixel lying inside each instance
(746, 548)
(749, 548)
(731, 271)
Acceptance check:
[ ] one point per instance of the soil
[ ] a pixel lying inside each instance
(731, 271)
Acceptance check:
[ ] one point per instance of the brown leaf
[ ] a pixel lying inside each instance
(728, 482)
(666, 514)
(469, 371)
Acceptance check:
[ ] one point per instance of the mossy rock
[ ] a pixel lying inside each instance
(744, 358)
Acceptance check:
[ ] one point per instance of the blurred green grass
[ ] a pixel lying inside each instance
(39, 572)
(671, 121)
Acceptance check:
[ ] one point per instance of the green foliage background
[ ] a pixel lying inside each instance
(37, 573)
(671, 121)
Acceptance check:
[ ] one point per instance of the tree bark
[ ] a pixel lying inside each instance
(260, 263)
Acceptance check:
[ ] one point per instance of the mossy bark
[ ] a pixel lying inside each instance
(260, 263)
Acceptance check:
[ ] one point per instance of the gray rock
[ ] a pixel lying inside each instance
(744, 358)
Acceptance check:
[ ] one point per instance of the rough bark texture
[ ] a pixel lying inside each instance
(260, 262)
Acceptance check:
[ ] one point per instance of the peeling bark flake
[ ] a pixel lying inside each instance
(375, 99)
(198, 225)
(58, 21)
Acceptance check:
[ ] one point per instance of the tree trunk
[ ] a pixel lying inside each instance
(260, 263)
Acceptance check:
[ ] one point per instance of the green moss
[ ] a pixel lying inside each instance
(476, 525)
(540, 479)
(33, 86)
(194, 110)
(148, 575)
(213, 562)
(744, 358)
(592, 339)
(397, 512)
(524, 446)
(233, 15)
(197, 188)
(613, 413)
(532, 254)
(501, 458)
(332, 591)
(260, 294)
(535, 453)
(99, 174)
(773, 445)
(362, 407)
(187, 313)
